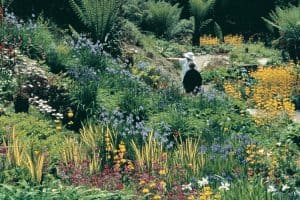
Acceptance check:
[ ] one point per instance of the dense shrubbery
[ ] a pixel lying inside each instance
(135, 127)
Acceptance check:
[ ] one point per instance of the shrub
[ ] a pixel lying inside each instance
(42, 38)
(39, 133)
(131, 33)
(183, 31)
(133, 10)
(83, 93)
(134, 102)
(255, 51)
(161, 18)
(287, 21)
(90, 54)
(57, 58)
(7, 84)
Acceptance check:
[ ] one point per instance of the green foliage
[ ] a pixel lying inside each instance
(133, 11)
(41, 134)
(282, 3)
(98, 15)
(5, 3)
(286, 20)
(248, 190)
(83, 92)
(183, 31)
(57, 58)
(134, 102)
(41, 39)
(55, 190)
(161, 17)
(216, 76)
(200, 10)
(255, 51)
(7, 84)
(131, 33)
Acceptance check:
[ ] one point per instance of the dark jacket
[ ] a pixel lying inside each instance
(191, 80)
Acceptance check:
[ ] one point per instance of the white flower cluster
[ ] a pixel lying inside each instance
(30, 70)
(44, 107)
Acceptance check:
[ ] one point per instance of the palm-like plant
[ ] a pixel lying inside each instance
(5, 3)
(287, 21)
(98, 15)
(162, 17)
(200, 10)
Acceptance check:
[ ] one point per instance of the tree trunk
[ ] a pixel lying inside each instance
(196, 35)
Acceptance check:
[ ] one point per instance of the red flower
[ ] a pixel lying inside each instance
(3, 150)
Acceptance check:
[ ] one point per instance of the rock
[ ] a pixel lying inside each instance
(263, 61)
(208, 62)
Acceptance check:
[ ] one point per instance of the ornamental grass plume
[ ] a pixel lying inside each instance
(149, 154)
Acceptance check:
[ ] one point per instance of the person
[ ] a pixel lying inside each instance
(192, 80)
(184, 62)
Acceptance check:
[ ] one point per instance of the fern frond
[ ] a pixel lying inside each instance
(98, 15)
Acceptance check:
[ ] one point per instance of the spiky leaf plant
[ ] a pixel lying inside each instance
(200, 10)
(97, 15)
(162, 17)
(5, 3)
(287, 21)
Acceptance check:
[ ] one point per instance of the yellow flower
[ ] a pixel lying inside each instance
(156, 197)
(145, 190)
(191, 197)
(162, 172)
(162, 184)
(152, 185)
(117, 166)
(142, 182)
(208, 193)
(202, 197)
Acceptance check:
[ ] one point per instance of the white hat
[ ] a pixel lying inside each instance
(189, 55)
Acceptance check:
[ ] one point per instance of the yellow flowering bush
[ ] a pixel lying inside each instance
(271, 94)
(232, 89)
(208, 40)
(234, 39)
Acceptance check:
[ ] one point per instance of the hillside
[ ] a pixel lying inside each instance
(98, 110)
